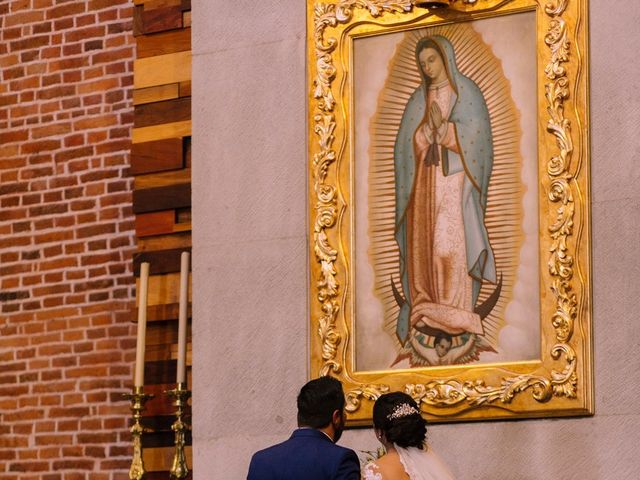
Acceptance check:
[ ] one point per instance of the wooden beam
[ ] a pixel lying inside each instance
(167, 111)
(162, 69)
(156, 94)
(164, 43)
(161, 132)
(162, 179)
(159, 459)
(162, 198)
(161, 261)
(164, 242)
(161, 19)
(157, 156)
(155, 223)
(164, 289)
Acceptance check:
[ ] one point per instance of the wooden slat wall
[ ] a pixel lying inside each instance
(161, 166)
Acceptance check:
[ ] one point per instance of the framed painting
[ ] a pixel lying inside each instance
(449, 205)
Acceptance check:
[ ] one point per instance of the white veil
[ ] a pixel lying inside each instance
(423, 464)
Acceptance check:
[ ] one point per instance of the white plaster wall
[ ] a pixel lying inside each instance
(250, 257)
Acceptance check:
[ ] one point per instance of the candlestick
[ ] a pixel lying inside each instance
(179, 468)
(182, 318)
(142, 324)
(138, 398)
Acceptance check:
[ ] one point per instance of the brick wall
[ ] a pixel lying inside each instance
(66, 238)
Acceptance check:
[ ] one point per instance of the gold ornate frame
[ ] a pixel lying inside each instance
(560, 383)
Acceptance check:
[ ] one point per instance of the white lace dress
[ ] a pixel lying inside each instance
(418, 464)
(370, 472)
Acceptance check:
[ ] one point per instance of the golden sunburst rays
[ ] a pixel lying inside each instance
(503, 217)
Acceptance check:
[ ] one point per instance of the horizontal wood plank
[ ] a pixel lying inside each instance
(162, 179)
(157, 156)
(156, 94)
(167, 111)
(185, 89)
(164, 242)
(160, 438)
(159, 373)
(161, 19)
(164, 312)
(155, 353)
(182, 227)
(155, 223)
(164, 43)
(162, 261)
(162, 198)
(162, 373)
(186, 19)
(154, 4)
(164, 289)
(162, 333)
(161, 132)
(162, 69)
(159, 459)
(164, 475)
(159, 406)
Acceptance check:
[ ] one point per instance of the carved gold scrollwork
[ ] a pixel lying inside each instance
(447, 393)
(369, 392)
(558, 168)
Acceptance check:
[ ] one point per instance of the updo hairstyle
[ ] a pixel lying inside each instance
(397, 415)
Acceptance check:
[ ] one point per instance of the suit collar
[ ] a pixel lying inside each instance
(310, 432)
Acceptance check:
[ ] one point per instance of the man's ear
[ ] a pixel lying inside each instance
(337, 416)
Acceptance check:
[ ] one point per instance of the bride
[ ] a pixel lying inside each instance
(402, 431)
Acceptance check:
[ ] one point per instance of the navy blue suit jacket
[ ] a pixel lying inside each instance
(308, 455)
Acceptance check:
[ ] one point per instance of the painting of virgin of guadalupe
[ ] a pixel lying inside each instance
(443, 161)
(450, 172)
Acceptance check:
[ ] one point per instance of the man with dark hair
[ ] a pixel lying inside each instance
(311, 452)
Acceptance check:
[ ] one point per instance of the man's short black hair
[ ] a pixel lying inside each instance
(317, 401)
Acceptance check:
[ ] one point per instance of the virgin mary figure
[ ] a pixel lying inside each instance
(443, 156)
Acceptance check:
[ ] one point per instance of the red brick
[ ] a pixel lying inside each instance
(13, 136)
(29, 42)
(69, 154)
(53, 439)
(29, 467)
(57, 92)
(43, 224)
(28, 174)
(12, 73)
(95, 230)
(48, 209)
(73, 49)
(40, 146)
(66, 10)
(49, 452)
(51, 130)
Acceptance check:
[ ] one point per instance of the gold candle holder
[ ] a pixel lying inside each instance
(137, 398)
(180, 396)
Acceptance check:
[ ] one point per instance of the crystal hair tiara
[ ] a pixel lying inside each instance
(402, 410)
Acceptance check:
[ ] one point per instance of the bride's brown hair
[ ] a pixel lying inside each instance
(398, 416)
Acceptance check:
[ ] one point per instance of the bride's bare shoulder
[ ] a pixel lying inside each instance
(387, 467)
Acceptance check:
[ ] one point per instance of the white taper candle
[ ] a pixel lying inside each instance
(182, 317)
(142, 324)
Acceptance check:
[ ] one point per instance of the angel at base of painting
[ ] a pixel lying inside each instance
(443, 157)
